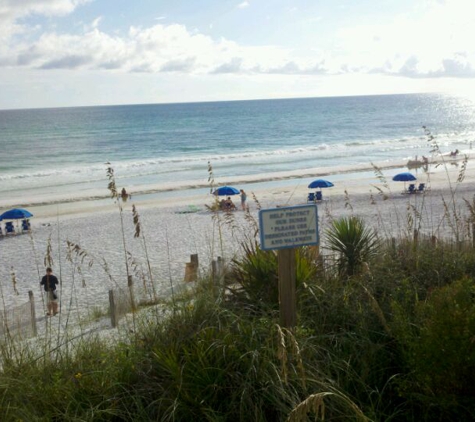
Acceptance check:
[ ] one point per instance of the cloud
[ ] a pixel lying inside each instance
(433, 40)
(154, 49)
(409, 68)
(243, 5)
(293, 68)
(403, 47)
(96, 22)
(13, 11)
(178, 65)
(233, 66)
(458, 66)
(67, 62)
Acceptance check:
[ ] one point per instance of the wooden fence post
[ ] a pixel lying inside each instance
(113, 310)
(416, 236)
(214, 270)
(33, 313)
(194, 260)
(130, 285)
(220, 268)
(191, 268)
(189, 271)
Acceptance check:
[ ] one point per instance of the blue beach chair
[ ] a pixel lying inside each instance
(25, 225)
(412, 188)
(9, 228)
(421, 187)
(319, 196)
(311, 197)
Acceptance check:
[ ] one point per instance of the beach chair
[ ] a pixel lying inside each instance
(311, 197)
(421, 187)
(412, 188)
(25, 225)
(319, 196)
(9, 228)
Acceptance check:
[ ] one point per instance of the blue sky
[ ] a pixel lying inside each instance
(56, 53)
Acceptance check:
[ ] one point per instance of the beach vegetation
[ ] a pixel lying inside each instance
(353, 241)
(253, 277)
(394, 343)
(385, 332)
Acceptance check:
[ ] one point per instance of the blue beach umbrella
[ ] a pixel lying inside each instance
(320, 183)
(404, 177)
(15, 214)
(226, 191)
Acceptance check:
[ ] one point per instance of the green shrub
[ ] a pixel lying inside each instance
(253, 279)
(353, 242)
(439, 351)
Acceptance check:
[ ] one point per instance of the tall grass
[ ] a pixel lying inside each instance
(393, 344)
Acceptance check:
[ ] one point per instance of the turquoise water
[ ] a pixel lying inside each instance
(46, 153)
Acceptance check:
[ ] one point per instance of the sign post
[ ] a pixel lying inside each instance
(284, 229)
(287, 283)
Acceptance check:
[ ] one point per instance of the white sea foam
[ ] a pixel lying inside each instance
(172, 154)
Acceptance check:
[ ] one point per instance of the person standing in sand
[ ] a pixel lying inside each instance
(243, 199)
(49, 282)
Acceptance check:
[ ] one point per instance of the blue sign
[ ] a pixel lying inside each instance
(288, 227)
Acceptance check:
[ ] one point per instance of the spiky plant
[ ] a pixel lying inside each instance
(353, 242)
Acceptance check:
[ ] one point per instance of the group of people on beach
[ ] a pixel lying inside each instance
(228, 204)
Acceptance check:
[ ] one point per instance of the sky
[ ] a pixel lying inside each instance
(60, 53)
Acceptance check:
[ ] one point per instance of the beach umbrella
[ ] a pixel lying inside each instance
(16, 214)
(404, 177)
(320, 183)
(226, 191)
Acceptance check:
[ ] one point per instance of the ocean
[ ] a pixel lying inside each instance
(55, 155)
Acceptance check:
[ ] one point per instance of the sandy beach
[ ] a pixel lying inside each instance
(174, 227)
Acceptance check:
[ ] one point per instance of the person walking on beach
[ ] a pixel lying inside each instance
(49, 282)
(243, 199)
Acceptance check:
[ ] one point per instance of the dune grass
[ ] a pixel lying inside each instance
(394, 343)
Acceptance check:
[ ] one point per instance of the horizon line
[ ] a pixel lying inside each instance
(220, 101)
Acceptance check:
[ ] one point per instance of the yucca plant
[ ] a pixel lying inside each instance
(353, 242)
(253, 278)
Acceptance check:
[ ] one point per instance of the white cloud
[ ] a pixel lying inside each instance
(96, 22)
(243, 5)
(159, 48)
(11, 11)
(233, 66)
(436, 42)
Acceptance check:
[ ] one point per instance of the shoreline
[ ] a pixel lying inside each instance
(196, 194)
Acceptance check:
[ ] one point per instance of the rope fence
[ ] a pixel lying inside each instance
(19, 322)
